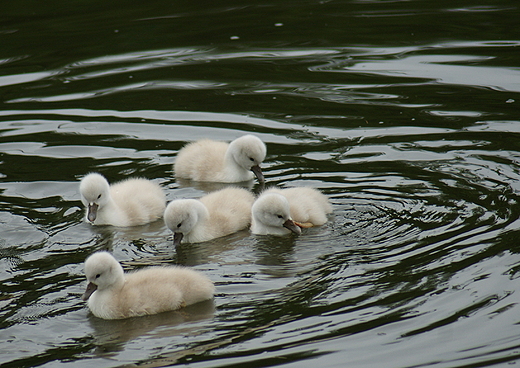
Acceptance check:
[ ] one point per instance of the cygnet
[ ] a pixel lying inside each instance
(130, 202)
(113, 294)
(215, 161)
(214, 215)
(280, 211)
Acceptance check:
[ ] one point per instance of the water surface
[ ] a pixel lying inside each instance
(404, 113)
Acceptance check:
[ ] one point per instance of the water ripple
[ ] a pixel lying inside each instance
(415, 145)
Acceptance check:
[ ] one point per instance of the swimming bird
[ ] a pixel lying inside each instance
(113, 294)
(131, 202)
(279, 211)
(215, 161)
(214, 215)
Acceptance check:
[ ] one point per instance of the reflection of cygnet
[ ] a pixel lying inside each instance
(112, 335)
(112, 294)
(278, 211)
(216, 214)
(128, 203)
(208, 160)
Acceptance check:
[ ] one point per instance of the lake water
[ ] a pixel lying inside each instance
(404, 113)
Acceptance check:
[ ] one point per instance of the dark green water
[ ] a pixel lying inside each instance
(404, 113)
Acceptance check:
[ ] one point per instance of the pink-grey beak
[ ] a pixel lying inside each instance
(289, 224)
(90, 289)
(92, 211)
(258, 173)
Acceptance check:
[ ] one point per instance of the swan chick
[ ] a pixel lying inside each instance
(217, 214)
(113, 294)
(131, 202)
(215, 161)
(280, 211)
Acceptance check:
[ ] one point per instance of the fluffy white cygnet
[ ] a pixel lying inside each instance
(279, 211)
(113, 294)
(128, 203)
(214, 161)
(216, 214)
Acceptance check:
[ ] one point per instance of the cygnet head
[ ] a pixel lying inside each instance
(102, 271)
(182, 216)
(249, 152)
(95, 193)
(271, 214)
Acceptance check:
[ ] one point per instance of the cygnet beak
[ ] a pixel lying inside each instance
(177, 237)
(291, 225)
(258, 172)
(92, 211)
(90, 289)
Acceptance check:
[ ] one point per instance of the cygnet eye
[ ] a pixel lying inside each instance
(279, 216)
(99, 196)
(98, 276)
(179, 225)
(251, 159)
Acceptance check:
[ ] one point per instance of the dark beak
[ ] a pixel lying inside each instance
(92, 212)
(258, 172)
(177, 237)
(289, 224)
(90, 289)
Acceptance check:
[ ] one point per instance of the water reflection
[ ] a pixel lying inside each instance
(277, 254)
(398, 66)
(445, 69)
(111, 336)
(110, 238)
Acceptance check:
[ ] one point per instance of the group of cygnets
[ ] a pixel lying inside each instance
(113, 294)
